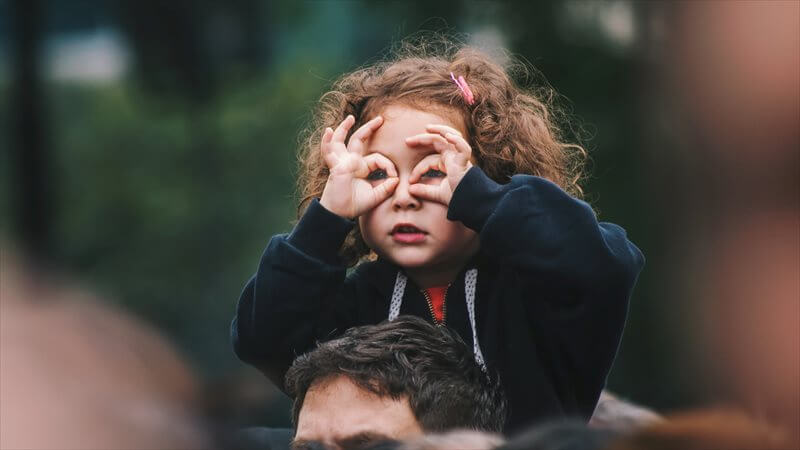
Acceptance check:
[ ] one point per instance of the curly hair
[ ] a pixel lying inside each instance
(512, 130)
(407, 357)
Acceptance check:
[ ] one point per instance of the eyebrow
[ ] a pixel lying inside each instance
(347, 442)
(306, 444)
(360, 439)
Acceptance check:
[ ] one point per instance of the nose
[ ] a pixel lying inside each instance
(402, 199)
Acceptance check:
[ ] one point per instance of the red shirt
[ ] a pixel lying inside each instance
(436, 296)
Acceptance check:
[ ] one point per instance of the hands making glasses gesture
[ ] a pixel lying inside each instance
(352, 187)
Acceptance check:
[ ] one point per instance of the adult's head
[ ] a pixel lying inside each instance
(393, 380)
(719, 429)
(614, 413)
(78, 373)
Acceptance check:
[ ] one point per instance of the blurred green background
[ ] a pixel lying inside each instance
(163, 139)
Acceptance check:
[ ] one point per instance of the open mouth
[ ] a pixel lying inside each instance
(406, 228)
(407, 234)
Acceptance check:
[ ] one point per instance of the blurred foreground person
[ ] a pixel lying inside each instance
(613, 413)
(735, 74)
(391, 381)
(697, 430)
(562, 435)
(704, 430)
(77, 374)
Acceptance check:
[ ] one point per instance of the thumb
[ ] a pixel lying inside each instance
(385, 189)
(370, 197)
(437, 194)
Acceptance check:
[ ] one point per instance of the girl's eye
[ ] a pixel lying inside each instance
(377, 174)
(433, 173)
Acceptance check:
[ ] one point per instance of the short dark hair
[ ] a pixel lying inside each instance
(408, 356)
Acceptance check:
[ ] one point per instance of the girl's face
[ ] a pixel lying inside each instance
(414, 233)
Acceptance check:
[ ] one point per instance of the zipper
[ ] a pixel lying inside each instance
(444, 306)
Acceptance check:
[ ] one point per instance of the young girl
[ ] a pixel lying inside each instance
(448, 188)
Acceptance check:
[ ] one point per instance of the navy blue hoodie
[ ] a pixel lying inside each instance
(551, 298)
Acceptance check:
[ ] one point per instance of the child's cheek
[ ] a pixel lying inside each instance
(367, 226)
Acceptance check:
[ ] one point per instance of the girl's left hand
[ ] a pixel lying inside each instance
(452, 159)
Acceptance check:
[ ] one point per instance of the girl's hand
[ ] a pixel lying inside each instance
(450, 163)
(356, 183)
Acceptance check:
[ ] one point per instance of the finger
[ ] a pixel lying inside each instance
(435, 141)
(376, 161)
(326, 139)
(461, 145)
(326, 136)
(364, 132)
(341, 131)
(385, 189)
(442, 129)
(325, 148)
(428, 192)
(433, 161)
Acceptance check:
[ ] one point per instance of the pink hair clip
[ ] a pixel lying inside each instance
(465, 90)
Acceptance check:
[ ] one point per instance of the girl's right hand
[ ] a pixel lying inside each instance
(356, 183)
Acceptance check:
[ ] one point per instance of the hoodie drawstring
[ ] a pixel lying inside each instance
(470, 281)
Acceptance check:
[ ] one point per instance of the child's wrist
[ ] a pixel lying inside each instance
(330, 206)
(320, 232)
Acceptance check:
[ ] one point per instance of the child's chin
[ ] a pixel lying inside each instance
(410, 261)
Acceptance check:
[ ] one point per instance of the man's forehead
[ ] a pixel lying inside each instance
(336, 409)
(336, 385)
(334, 392)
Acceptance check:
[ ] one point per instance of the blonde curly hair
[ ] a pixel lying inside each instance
(512, 130)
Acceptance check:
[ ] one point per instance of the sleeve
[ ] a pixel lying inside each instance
(296, 297)
(579, 273)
